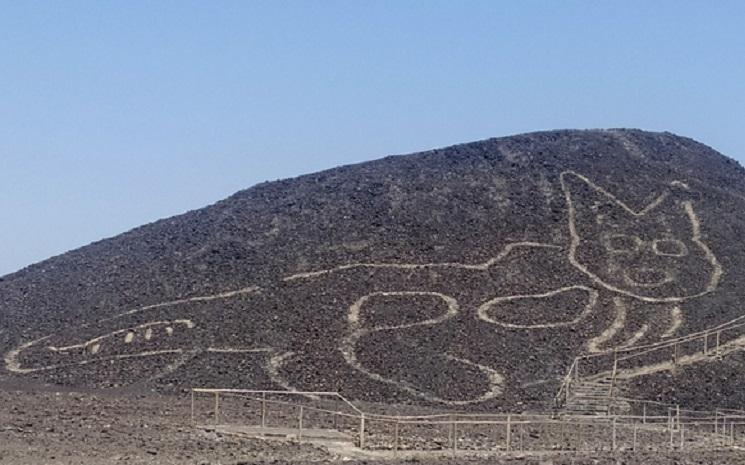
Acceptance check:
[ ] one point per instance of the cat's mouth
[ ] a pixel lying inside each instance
(647, 277)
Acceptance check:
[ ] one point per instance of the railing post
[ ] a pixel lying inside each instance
(672, 430)
(723, 430)
(732, 434)
(682, 435)
(644, 413)
(718, 335)
(300, 424)
(455, 437)
(263, 410)
(509, 432)
(634, 444)
(193, 417)
(706, 343)
(521, 437)
(450, 431)
(669, 418)
(613, 376)
(395, 437)
(362, 431)
(614, 434)
(217, 407)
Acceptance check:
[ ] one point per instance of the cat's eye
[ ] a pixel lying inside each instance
(669, 248)
(620, 243)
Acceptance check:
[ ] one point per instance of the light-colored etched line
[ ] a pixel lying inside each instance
(593, 345)
(127, 339)
(348, 349)
(676, 320)
(628, 145)
(180, 361)
(685, 360)
(12, 357)
(12, 364)
(417, 266)
(483, 310)
(668, 278)
(353, 314)
(201, 298)
(229, 350)
(575, 239)
(635, 338)
(697, 238)
(273, 366)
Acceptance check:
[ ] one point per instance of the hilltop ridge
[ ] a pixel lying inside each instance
(468, 276)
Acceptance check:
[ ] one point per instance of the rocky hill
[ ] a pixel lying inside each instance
(464, 277)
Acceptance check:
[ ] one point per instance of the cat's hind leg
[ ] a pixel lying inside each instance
(403, 339)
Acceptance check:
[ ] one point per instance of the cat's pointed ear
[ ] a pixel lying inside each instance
(675, 208)
(591, 205)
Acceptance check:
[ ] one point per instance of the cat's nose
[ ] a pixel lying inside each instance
(647, 277)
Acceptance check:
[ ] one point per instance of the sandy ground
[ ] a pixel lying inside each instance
(87, 428)
(82, 428)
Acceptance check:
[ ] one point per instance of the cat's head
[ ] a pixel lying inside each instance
(654, 254)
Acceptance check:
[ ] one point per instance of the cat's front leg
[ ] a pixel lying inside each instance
(636, 323)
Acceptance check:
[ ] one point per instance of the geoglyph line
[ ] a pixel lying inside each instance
(202, 298)
(228, 350)
(148, 326)
(618, 324)
(636, 337)
(676, 320)
(483, 310)
(575, 238)
(416, 266)
(727, 348)
(11, 360)
(356, 322)
(13, 364)
(348, 348)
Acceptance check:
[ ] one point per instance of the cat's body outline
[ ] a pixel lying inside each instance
(277, 357)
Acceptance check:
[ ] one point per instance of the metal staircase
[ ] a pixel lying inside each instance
(595, 397)
(591, 386)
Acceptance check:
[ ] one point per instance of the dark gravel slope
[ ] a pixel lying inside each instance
(482, 270)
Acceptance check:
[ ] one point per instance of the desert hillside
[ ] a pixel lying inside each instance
(463, 277)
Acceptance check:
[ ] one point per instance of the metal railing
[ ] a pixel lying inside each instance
(627, 362)
(261, 412)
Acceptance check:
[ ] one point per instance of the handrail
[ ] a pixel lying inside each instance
(454, 421)
(291, 404)
(633, 352)
(288, 392)
(670, 342)
(564, 388)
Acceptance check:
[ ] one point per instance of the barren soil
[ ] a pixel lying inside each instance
(87, 428)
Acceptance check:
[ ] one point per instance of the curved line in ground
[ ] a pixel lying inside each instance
(483, 310)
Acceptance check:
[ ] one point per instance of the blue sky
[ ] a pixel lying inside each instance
(115, 114)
